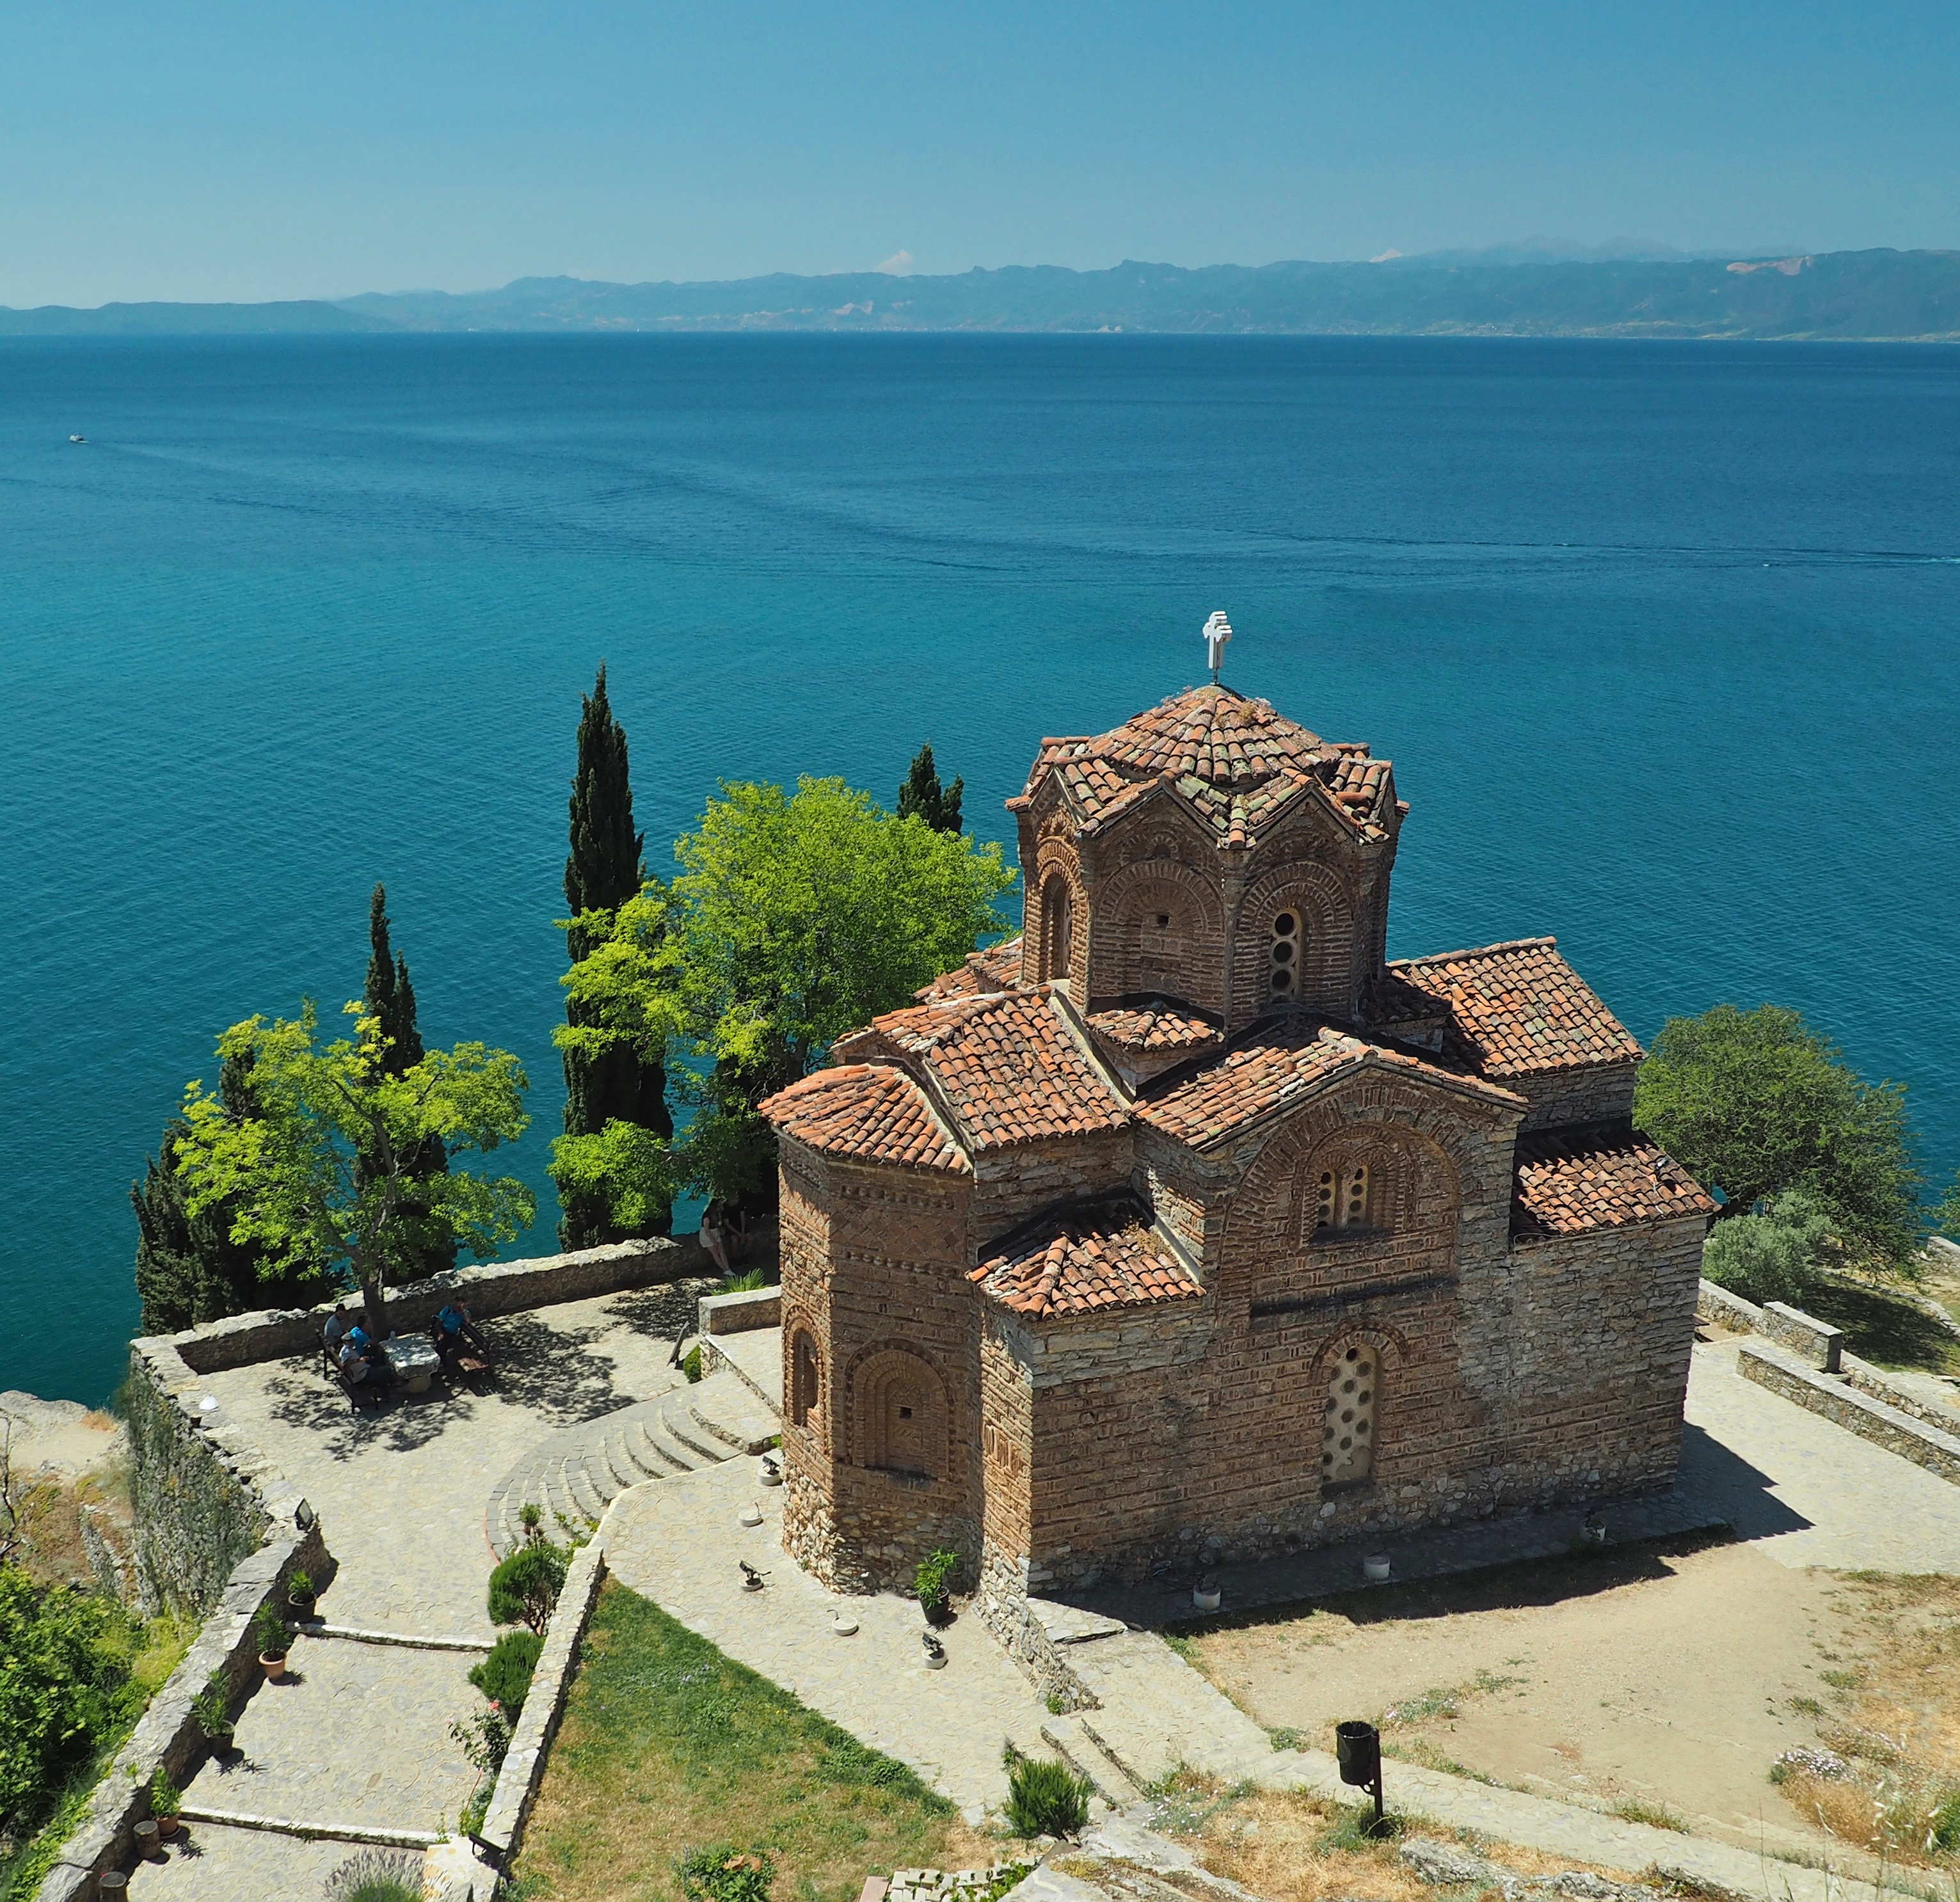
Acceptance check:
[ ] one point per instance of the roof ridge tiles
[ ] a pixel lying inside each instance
(1475, 951)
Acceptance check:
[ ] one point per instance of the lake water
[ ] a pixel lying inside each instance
(1660, 637)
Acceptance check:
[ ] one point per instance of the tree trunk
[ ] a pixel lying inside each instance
(373, 1313)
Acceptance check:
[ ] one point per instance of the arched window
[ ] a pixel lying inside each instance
(1347, 1433)
(1283, 956)
(804, 1381)
(1345, 1199)
(1057, 926)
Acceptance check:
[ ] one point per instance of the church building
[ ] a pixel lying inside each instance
(1186, 1227)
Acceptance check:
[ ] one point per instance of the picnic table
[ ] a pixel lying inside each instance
(413, 1360)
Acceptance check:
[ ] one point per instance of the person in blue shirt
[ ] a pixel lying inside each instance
(452, 1329)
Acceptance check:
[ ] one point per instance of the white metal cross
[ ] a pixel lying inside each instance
(1217, 631)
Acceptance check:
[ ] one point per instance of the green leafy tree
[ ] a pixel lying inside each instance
(921, 796)
(608, 1082)
(1755, 1103)
(390, 999)
(796, 918)
(1779, 1253)
(189, 1269)
(319, 1176)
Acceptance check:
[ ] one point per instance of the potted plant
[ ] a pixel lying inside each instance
(274, 1637)
(209, 1708)
(301, 1594)
(166, 1799)
(932, 1582)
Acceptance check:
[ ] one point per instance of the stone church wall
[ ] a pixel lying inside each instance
(1598, 1093)
(878, 1282)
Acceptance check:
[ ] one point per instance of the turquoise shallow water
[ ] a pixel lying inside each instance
(1661, 639)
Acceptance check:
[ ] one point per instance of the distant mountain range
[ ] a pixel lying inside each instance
(1531, 290)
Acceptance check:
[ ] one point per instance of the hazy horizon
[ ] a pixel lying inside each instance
(220, 153)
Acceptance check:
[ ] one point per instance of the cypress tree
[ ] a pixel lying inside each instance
(188, 1271)
(922, 796)
(603, 871)
(391, 996)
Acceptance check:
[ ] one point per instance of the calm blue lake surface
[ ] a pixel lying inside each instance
(1661, 639)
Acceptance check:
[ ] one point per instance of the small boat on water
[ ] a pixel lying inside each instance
(78, 439)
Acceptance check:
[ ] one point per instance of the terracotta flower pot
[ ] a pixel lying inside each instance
(274, 1669)
(167, 1826)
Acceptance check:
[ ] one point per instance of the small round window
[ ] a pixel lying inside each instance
(1283, 960)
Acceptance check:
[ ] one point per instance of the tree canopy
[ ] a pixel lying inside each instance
(320, 1174)
(797, 917)
(615, 1084)
(1756, 1104)
(922, 796)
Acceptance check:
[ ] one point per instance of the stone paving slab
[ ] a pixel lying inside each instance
(355, 1733)
(210, 1863)
(401, 1495)
(756, 1355)
(677, 1541)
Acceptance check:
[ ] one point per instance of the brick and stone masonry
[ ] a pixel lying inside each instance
(1186, 1226)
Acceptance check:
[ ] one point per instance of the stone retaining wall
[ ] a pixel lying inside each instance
(490, 1288)
(1878, 1420)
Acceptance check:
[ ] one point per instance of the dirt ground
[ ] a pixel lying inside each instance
(1652, 1681)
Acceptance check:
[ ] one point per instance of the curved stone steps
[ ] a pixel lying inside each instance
(576, 1473)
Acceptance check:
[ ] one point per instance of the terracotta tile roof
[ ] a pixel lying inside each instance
(1005, 1064)
(866, 1110)
(1565, 1187)
(1100, 1260)
(1233, 760)
(1264, 1073)
(998, 967)
(1520, 1008)
(1153, 1026)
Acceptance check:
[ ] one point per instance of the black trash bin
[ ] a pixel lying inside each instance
(1358, 1746)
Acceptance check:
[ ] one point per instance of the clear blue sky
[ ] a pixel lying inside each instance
(202, 151)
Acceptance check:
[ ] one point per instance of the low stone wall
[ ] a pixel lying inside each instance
(524, 1763)
(1832, 1396)
(742, 1313)
(194, 1484)
(1714, 1302)
(490, 1288)
(1811, 1339)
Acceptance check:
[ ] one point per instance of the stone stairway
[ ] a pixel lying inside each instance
(576, 1474)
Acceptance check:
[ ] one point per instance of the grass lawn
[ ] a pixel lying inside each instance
(667, 1745)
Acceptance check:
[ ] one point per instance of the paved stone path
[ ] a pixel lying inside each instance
(1803, 1491)
(678, 1542)
(361, 1736)
(402, 1495)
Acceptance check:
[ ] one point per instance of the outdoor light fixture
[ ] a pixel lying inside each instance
(1357, 1746)
(751, 1580)
(935, 1652)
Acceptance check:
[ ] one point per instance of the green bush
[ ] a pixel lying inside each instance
(505, 1677)
(378, 1875)
(1776, 1253)
(934, 1578)
(524, 1588)
(300, 1586)
(747, 1282)
(690, 1364)
(723, 1873)
(64, 1690)
(1046, 1799)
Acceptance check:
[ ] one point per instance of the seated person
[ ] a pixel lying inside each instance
(355, 1368)
(379, 1371)
(452, 1329)
(335, 1332)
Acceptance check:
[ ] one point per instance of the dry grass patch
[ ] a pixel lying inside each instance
(1887, 1776)
(1288, 1846)
(668, 1746)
